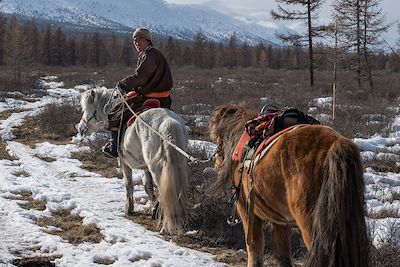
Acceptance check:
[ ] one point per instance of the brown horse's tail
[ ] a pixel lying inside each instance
(339, 229)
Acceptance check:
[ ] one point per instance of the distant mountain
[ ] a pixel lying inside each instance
(179, 21)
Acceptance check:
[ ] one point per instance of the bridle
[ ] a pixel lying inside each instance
(83, 126)
(90, 118)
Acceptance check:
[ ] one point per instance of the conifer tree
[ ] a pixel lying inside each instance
(59, 47)
(259, 50)
(96, 50)
(114, 49)
(127, 52)
(360, 24)
(232, 52)
(210, 55)
(245, 56)
(72, 51)
(46, 45)
(170, 50)
(187, 55)
(308, 14)
(199, 45)
(16, 48)
(83, 51)
(33, 39)
(3, 22)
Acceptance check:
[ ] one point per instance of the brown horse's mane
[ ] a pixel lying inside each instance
(226, 126)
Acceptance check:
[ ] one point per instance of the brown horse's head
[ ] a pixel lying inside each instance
(226, 125)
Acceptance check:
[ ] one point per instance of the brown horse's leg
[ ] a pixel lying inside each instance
(305, 229)
(255, 242)
(281, 235)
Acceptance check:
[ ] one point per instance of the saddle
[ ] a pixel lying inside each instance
(264, 130)
(148, 104)
(137, 103)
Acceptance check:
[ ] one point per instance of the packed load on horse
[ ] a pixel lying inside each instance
(267, 127)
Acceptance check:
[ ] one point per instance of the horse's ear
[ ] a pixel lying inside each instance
(92, 93)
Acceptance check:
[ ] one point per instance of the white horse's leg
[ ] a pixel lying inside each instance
(129, 203)
(149, 186)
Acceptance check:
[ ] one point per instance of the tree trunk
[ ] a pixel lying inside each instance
(368, 66)
(310, 46)
(358, 18)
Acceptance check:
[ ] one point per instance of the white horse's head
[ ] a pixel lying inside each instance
(93, 117)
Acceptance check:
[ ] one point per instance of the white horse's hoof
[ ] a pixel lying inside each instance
(129, 211)
(163, 231)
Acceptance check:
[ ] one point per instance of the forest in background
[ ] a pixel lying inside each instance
(25, 46)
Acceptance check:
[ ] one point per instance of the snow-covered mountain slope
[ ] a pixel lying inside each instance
(179, 21)
(58, 11)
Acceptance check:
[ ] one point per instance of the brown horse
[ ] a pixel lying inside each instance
(312, 176)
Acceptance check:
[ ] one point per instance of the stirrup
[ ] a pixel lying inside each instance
(108, 151)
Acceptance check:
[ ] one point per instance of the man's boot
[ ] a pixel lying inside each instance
(110, 149)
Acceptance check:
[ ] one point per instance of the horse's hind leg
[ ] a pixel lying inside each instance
(149, 186)
(129, 203)
(254, 240)
(281, 237)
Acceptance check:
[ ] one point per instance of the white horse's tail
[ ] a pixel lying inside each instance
(173, 188)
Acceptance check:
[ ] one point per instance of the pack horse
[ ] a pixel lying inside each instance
(142, 148)
(312, 176)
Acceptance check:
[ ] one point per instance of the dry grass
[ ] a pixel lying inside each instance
(46, 158)
(29, 133)
(36, 261)
(382, 214)
(7, 83)
(58, 120)
(281, 87)
(72, 228)
(383, 164)
(256, 87)
(104, 261)
(30, 203)
(22, 174)
(96, 161)
(388, 254)
(3, 152)
(7, 113)
(55, 124)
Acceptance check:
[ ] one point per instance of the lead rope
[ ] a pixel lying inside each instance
(169, 142)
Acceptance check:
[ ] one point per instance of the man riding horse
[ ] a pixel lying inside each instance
(152, 79)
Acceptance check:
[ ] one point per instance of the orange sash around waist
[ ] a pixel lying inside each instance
(157, 94)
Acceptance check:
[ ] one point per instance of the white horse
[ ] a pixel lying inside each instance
(142, 148)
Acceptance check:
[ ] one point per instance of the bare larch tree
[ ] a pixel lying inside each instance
(361, 24)
(308, 14)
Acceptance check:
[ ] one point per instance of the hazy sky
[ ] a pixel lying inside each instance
(259, 10)
(258, 7)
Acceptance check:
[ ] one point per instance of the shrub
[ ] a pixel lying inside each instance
(59, 120)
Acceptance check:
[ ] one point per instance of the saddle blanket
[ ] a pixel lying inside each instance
(244, 153)
(148, 104)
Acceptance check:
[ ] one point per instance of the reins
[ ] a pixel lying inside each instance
(91, 117)
(239, 193)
